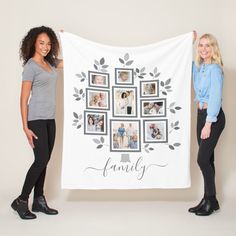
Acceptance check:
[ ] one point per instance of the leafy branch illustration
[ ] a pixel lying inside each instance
(82, 76)
(147, 148)
(174, 126)
(174, 108)
(100, 65)
(77, 120)
(173, 146)
(166, 87)
(79, 94)
(99, 142)
(125, 61)
(155, 73)
(140, 73)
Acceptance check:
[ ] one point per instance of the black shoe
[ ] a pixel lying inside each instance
(208, 208)
(40, 204)
(22, 209)
(196, 208)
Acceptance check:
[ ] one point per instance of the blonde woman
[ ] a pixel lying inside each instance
(208, 81)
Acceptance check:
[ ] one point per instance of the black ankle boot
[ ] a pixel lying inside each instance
(208, 208)
(40, 204)
(22, 209)
(198, 207)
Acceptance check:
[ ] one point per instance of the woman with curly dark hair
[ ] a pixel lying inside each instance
(39, 51)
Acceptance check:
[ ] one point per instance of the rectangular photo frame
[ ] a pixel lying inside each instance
(124, 101)
(95, 122)
(153, 107)
(125, 136)
(149, 88)
(124, 76)
(155, 131)
(98, 79)
(97, 99)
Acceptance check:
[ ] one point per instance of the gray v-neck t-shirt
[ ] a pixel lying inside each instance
(42, 103)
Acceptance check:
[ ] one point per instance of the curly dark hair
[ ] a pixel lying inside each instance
(27, 48)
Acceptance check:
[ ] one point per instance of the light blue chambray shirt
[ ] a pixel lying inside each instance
(208, 84)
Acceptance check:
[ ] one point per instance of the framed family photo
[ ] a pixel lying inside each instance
(155, 131)
(149, 88)
(124, 101)
(153, 107)
(98, 79)
(125, 136)
(124, 76)
(95, 122)
(97, 99)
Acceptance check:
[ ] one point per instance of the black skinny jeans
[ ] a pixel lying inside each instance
(206, 150)
(45, 130)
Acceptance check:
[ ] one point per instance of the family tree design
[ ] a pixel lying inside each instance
(132, 114)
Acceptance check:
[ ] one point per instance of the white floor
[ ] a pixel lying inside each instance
(120, 219)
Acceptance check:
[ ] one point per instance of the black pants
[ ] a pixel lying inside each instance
(45, 130)
(206, 150)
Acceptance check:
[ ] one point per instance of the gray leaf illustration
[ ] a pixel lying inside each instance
(83, 95)
(104, 66)
(171, 147)
(143, 69)
(128, 63)
(103, 70)
(157, 75)
(74, 124)
(79, 126)
(151, 74)
(76, 90)
(102, 61)
(121, 61)
(81, 91)
(176, 128)
(126, 57)
(141, 77)
(102, 140)
(137, 70)
(162, 83)
(155, 70)
(84, 75)
(77, 99)
(75, 121)
(178, 108)
(164, 93)
(82, 80)
(176, 144)
(176, 123)
(95, 67)
(146, 151)
(76, 95)
(167, 81)
(99, 146)
(80, 117)
(78, 75)
(172, 110)
(172, 125)
(97, 141)
(167, 87)
(76, 115)
(96, 62)
(146, 145)
(172, 104)
(151, 149)
(169, 90)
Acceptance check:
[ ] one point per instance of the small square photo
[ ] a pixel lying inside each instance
(97, 79)
(124, 76)
(149, 88)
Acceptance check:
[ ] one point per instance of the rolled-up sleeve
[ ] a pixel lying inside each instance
(215, 94)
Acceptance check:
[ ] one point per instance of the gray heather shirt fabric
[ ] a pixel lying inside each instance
(42, 104)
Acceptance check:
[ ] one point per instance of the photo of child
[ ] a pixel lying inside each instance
(149, 88)
(124, 76)
(153, 108)
(98, 79)
(97, 99)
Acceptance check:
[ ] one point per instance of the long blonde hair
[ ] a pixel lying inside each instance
(216, 56)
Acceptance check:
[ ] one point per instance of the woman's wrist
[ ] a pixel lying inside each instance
(208, 124)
